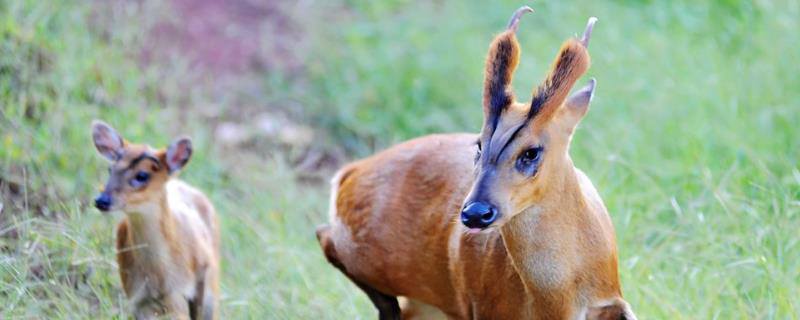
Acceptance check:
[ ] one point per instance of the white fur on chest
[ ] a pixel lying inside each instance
(149, 289)
(153, 255)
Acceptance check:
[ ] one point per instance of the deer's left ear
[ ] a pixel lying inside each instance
(577, 104)
(178, 154)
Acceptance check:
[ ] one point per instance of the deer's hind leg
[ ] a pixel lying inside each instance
(387, 305)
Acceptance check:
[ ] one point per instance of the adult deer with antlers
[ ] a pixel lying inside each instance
(495, 226)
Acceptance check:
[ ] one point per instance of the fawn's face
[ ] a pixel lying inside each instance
(137, 173)
(523, 147)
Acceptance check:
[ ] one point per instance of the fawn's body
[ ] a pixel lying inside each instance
(534, 240)
(168, 241)
(171, 254)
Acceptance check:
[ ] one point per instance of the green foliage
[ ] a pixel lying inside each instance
(691, 141)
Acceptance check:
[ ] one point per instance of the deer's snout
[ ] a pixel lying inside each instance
(478, 215)
(103, 201)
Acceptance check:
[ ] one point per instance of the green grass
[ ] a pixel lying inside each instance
(691, 141)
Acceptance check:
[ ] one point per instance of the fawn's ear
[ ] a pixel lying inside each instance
(178, 154)
(107, 141)
(617, 310)
(612, 312)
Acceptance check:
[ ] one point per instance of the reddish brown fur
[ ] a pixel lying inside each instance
(572, 62)
(124, 256)
(414, 232)
(394, 224)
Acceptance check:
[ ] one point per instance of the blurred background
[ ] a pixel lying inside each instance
(691, 139)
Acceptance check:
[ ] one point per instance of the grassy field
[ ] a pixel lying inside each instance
(691, 141)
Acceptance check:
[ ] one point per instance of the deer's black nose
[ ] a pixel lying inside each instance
(103, 201)
(478, 215)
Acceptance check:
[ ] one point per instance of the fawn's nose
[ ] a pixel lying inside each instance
(103, 202)
(478, 215)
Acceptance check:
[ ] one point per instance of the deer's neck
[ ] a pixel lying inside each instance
(543, 241)
(152, 229)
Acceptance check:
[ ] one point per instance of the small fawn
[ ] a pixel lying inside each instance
(499, 225)
(168, 241)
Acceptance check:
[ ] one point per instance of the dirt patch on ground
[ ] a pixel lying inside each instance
(227, 38)
(229, 49)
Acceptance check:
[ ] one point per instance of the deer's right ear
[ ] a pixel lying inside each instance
(578, 102)
(107, 141)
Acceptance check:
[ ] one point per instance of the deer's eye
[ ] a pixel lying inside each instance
(528, 161)
(142, 176)
(140, 179)
(478, 154)
(531, 154)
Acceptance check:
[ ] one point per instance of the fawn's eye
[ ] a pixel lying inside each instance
(140, 179)
(528, 161)
(142, 176)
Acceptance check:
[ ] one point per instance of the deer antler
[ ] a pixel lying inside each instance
(587, 33)
(513, 24)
